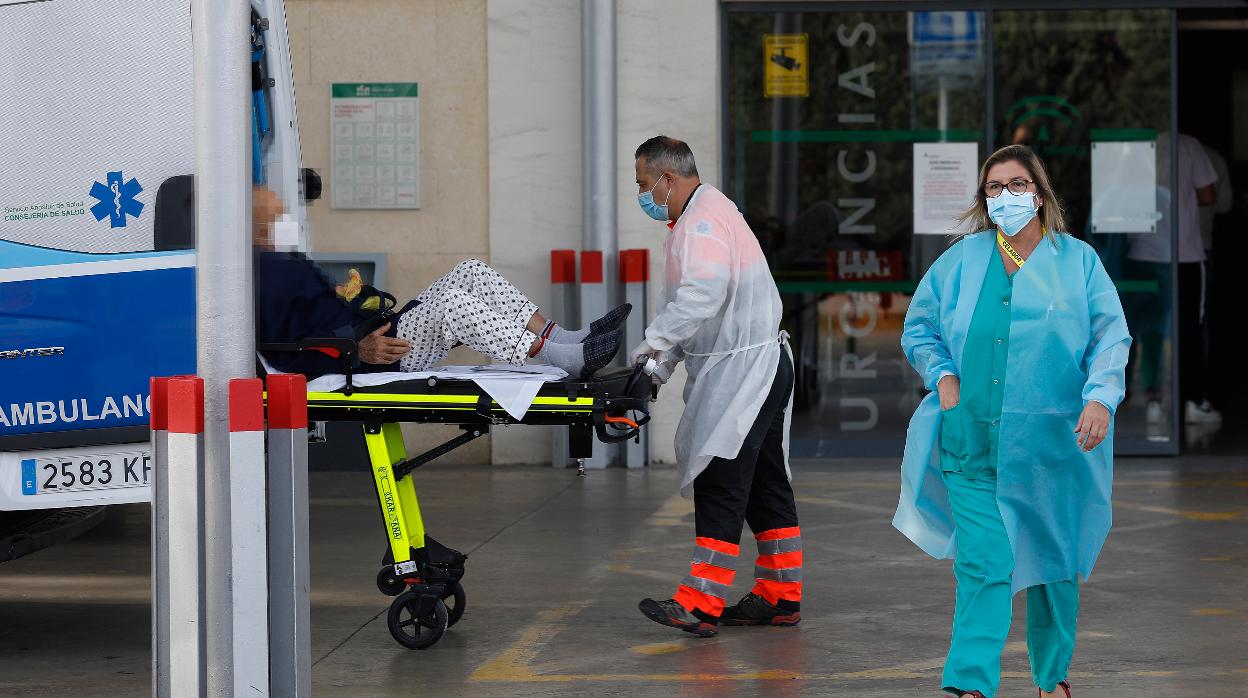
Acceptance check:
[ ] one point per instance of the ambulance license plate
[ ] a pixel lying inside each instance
(82, 473)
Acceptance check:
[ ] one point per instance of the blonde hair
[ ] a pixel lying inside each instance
(975, 218)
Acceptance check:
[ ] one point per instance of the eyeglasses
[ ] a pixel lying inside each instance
(1018, 185)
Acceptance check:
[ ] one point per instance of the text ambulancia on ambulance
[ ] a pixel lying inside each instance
(97, 258)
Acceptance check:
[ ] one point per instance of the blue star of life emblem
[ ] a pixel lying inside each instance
(116, 199)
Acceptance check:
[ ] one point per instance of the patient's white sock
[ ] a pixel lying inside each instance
(611, 321)
(563, 335)
(569, 357)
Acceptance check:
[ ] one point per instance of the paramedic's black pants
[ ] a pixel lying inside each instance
(1192, 354)
(752, 487)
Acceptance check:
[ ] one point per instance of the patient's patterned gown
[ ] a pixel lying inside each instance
(472, 305)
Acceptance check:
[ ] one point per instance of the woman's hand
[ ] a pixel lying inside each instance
(1093, 426)
(950, 390)
(376, 348)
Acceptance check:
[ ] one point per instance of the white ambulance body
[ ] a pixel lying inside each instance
(96, 285)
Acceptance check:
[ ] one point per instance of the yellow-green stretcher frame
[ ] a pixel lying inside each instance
(596, 405)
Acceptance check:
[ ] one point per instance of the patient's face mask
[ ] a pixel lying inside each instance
(656, 211)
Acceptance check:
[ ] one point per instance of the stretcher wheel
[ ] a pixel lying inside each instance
(417, 621)
(388, 582)
(457, 601)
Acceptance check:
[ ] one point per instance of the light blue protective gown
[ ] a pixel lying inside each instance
(1068, 344)
(984, 564)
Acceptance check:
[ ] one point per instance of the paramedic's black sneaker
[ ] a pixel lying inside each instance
(599, 351)
(672, 614)
(613, 320)
(753, 609)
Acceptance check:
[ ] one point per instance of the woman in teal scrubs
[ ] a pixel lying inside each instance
(1008, 465)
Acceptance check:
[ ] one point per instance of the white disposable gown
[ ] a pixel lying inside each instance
(720, 311)
(1068, 345)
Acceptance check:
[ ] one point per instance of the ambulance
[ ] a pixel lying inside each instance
(97, 258)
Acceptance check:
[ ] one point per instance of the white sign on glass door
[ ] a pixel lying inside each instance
(945, 176)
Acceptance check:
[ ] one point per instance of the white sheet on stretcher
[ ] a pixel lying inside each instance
(512, 387)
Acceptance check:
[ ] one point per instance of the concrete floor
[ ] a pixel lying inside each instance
(558, 565)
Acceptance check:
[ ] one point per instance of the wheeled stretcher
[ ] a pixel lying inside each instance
(422, 574)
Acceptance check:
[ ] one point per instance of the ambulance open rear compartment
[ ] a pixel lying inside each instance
(95, 296)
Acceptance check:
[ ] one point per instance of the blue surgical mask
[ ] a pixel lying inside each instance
(1012, 212)
(656, 211)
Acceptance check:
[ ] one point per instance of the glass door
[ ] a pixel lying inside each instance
(1090, 92)
(849, 139)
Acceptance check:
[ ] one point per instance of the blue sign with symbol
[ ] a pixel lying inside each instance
(932, 28)
(116, 199)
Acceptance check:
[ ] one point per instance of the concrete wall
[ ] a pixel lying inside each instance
(441, 45)
(668, 82)
(500, 92)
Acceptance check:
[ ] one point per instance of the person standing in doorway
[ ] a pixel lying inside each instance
(1018, 330)
(1150, 255)
(720, 312)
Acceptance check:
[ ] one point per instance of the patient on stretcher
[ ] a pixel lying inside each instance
(472, 305)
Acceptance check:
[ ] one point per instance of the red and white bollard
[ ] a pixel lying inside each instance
(179, 507)
(159, 413)
(249, 554)
(593, 301)
(634, 275)
(562, 310)
(290, 647)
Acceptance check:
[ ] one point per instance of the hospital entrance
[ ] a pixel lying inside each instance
(852, 167)
(487, 523)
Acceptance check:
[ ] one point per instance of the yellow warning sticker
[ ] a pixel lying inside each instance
(786, 70)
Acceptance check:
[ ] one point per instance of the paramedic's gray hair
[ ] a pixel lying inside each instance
(665, 154)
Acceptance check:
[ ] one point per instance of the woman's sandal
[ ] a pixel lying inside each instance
(1064, 685)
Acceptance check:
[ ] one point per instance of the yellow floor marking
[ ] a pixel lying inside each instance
(649, 574)
(824, 501)
(660, 648)
(515, 664)
(672, 512)
(1216, 612)
(1162, 674)
(1217, 558)
(512, 664)
(1187, 514)
(1197, 515)
(1169, 484)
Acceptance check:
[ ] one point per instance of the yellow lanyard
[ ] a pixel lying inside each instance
(1009, 249)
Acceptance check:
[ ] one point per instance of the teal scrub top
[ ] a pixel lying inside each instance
(973, 426)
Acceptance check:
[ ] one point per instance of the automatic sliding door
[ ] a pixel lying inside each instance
(827, 113)
(1090, 92)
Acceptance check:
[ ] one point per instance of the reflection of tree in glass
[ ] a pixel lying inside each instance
(796, 194)
(1062, 75)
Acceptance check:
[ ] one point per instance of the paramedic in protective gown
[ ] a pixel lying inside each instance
(719, 312)
(1008, 464)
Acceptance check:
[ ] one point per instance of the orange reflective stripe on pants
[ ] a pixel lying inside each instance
(710, 576)
(778, 568)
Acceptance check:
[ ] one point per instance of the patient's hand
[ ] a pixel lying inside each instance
(376, 348)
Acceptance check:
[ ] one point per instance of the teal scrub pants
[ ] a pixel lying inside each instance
(981, 621)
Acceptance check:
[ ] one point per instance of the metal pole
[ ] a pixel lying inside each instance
(599, 141)
(225, 327)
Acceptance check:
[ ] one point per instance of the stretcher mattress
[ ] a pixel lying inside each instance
(431, 397)
(512, 387)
